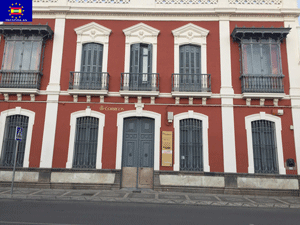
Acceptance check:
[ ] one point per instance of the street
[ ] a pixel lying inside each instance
(24, 211)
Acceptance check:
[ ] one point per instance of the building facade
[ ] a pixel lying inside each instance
(201, 95)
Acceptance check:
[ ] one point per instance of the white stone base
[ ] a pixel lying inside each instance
(267, 183)
(187, 180)
(19, 176)
(91, 178)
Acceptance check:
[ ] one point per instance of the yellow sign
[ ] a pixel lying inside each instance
(106, 108)
(167, 148)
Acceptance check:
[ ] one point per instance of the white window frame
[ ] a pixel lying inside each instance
(83, 113)
(140, 33)
(92, 33)
(23, 112)
(191, 115)
(138, 113)
(277, 121)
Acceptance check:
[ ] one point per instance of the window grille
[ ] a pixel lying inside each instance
(86, 141)
(264, 147)
(191, 146)
(9, 143)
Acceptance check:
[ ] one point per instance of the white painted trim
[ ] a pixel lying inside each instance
(19, 90)
(82, 113)
(138, 113)
(96, 33)
(277, 121)
(24, 112)
(264, 95)
(190, 34)
(139, 93)
(140, 33)
(53, 95)
(193, 115)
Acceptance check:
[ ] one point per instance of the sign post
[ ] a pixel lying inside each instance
(18, 138)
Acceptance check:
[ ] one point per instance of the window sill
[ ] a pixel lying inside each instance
(87, 92)
(139, 93)
(264, 95)
(19, 91)
(191, 94)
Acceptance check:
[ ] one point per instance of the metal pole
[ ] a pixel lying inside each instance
(13, 178)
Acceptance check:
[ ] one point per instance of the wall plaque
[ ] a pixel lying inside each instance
(167, 148)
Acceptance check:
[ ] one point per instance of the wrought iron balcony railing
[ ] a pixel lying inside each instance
(262, 83)
(139, 82)
(89, 81)
(191, 82)
(20, 79)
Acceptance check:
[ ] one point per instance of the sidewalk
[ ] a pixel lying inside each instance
(150, 196)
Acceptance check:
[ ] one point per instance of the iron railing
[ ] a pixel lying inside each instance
(262, 83)
(20, 79)
(191, 82)
(139, 82)
(89, 80)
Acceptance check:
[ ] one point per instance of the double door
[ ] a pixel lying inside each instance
(138, 153)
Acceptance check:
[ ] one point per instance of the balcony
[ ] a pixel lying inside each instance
(191, 85)
(262, 86)
(23, 82)
(139, 84)
(88, 83)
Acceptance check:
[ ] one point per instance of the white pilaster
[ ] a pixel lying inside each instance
(53, 96)
(229, 154)
(292, 46)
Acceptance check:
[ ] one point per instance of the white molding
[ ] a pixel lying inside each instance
(83, 113)
(139, 93)
(24, 112)
(19, 90)
(193, 115)
(139, 112)
(191, 94)
(140, 33)
(53, 90)
(277, 121)
(264, 95)
(96, 33)
(87, 92)
(190, 34)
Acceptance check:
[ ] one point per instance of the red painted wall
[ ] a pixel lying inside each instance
(165, 51)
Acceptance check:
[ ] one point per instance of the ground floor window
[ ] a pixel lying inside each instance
(9, 142)
(86, 142)
(264, 147)
(191, 146)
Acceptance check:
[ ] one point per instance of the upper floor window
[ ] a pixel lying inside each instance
(260, 59)
(22, 53)
(190, 62)
(22, 63)
(90, 75)
(140, 61)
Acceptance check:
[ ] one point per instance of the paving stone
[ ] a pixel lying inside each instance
(51, 192)
(110, 195)
(220, 203)
(249, 205)
(81, 193)
(291, 200)
(24, 191)
(233, 199)
(203, 198)
(265, 200)
(295, 206)
(266, 205)
(163, 196)
(234, 204)
(204, 203)
(140, 195)
(281, 206)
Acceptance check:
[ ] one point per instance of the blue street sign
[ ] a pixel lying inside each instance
(18, 135)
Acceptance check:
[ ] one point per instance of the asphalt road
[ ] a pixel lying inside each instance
(19, 211)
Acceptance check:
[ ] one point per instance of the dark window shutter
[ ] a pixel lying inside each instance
(91, 60)
(190, 59)
(150, 58)
(135, 58)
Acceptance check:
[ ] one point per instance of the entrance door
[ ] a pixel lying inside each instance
(138, 153)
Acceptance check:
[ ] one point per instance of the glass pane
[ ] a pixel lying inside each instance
(17, 56)
(247, 59)
(266, 63)
(26, 55)
(9, 52)
(35, 55)
(275, 63)
(256, 60)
